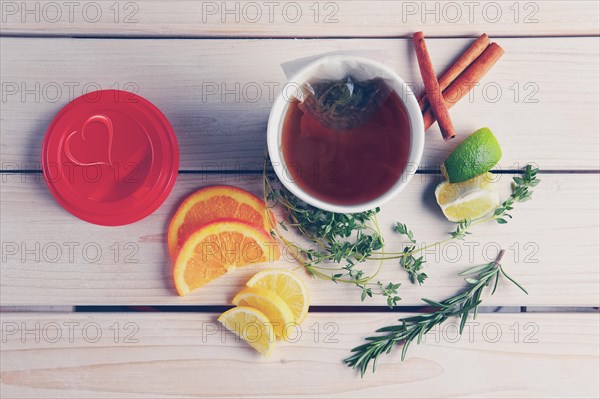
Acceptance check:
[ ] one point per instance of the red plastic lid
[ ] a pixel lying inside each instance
(110, 157)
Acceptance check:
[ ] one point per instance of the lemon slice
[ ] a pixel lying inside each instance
(252, 326)
(471, 199)
(269, 303)
(288, 286)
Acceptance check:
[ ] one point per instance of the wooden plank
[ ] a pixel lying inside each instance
(218, 100)
(189, 355)
(301, 18)
(50, 257)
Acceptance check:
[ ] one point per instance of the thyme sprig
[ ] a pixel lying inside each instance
(414, 328)
(408, 260)
(338, 243)
(521, 192)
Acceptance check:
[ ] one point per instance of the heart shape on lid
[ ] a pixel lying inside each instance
(97, 157)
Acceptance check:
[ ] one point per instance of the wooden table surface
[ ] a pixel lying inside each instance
(75, 296)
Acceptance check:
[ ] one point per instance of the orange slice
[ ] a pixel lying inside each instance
(210, 204)
(220, 247)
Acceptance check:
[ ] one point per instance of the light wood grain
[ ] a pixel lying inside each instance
(553, 122)
(301, 18)
(556, 235)
(38, 309)
(188, 355)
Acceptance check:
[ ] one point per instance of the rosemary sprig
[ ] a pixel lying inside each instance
(413, 328)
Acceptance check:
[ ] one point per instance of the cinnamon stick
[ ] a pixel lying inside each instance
(467, 80)
(432, 87)
(466, 59)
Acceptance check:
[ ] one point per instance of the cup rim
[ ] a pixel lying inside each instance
(417, 136)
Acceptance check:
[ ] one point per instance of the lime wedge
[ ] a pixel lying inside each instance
(473, 157)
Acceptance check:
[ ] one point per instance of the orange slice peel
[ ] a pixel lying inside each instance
(212, 203)
(220, 247)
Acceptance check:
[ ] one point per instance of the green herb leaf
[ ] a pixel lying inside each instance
(413, 328)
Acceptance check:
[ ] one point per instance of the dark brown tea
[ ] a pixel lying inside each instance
(347, 167)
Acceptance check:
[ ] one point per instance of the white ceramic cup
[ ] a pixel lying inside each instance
(367, 68)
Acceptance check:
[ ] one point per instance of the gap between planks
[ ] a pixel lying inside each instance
(260, 172)
(324, 37)
(313, 309)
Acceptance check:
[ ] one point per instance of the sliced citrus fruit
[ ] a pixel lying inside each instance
(473, 157)
(252, 326)
(472, 199)
(220, 247)
(271, 304)
(288, 285)
(212, 203)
